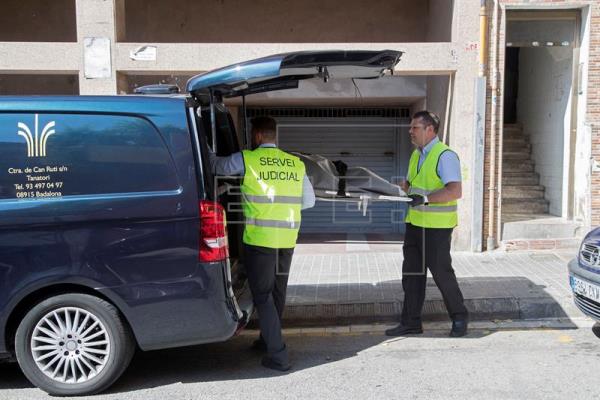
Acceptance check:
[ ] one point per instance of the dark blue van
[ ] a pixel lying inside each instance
(113, 231)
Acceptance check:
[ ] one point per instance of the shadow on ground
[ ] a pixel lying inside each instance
(486, 298)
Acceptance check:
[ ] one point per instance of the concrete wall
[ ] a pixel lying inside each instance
(285, 21)
(38, 21)
(545, 76)
(437, 96)
(582, 171)
(541, 31)
(202, 37)
(17, 84)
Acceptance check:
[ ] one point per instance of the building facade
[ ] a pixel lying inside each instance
(458, 57)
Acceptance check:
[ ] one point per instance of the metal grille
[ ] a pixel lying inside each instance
(329, 112)
(588, 306)
(370, 143)
(590, 254)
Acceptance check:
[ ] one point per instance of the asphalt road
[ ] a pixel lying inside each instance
(488, 364)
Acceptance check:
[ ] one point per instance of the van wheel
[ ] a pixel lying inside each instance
(596, 329)
(73, 344)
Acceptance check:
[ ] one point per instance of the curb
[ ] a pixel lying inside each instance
(484, 309)
(495, 325)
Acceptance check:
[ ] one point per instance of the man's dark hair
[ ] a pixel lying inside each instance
(265, 125)
(429, 118)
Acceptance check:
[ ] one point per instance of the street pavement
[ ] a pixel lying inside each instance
(527, 340)
(492, 362)
(357, 279)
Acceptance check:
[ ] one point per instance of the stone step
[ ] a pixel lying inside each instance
(522, 192)
(514, 147)
(520, 178)
(548, 227)
(514, 134)
(518, 125)
(532, 206)
(508, 140)
(516, 137)
(516, 155)
(571, 244)
(518, 166)
(517, 217)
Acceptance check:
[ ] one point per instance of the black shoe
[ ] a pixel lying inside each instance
(459, 328)
(259, 345)
(268, 362)
(402, 330)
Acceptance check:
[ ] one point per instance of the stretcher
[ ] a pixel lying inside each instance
(336, 181)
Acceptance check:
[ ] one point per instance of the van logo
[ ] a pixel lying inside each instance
(36, 144)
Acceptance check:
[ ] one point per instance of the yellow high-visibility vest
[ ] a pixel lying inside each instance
(424, 181)
(272, 197)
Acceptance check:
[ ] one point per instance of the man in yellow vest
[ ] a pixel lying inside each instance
(434, 185)
(275, 189)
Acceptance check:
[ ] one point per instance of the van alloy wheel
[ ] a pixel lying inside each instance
(70, 345)
(73, 344)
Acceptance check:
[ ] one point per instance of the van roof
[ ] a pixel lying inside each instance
(130, 104)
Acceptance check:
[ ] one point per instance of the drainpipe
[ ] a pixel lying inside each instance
(491, 240)
(477, 233)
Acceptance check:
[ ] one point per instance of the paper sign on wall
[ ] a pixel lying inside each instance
(143, 53)
(96, 57)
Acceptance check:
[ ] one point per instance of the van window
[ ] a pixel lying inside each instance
(54, 155)
(227, 142)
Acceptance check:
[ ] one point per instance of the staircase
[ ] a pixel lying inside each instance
(526, 223)
(519, 180)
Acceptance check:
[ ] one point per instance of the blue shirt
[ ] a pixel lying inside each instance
(448, 168)
(234, 165)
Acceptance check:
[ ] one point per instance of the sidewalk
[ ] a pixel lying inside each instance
(358, 281)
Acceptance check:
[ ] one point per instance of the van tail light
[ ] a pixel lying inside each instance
(213, 232)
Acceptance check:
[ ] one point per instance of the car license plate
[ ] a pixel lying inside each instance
(585, 289)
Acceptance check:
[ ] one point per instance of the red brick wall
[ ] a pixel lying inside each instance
(593, 105)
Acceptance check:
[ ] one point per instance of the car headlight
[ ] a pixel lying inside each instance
(590, 254)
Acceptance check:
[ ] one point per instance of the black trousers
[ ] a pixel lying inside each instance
(268, 272)
(429, 248)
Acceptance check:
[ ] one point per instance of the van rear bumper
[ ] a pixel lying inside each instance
(198, 309)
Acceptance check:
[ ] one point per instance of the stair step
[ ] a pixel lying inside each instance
(522, 192)
(520, 217)
(533, 206)
(571, 244)
(540, 228)
(520, 178)
(514, 147)
(513, 139)
(518, 166)
(514, 135)
(518, 125)
(516, 155)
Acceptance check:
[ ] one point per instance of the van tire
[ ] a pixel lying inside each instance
(118, 343)
(596, 329)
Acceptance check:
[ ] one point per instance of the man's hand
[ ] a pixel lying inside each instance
(416, 200)
(405, 186)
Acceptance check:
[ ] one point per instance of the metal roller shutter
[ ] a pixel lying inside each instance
(371, 143)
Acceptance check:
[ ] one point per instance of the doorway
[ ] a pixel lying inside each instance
(541, 51)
